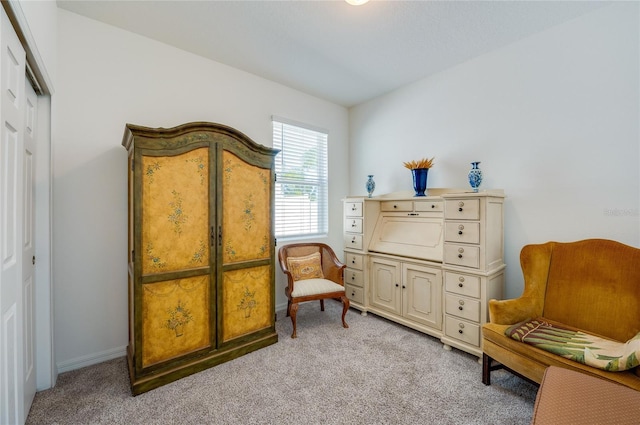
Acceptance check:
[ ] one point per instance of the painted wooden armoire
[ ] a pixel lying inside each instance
(201, 249)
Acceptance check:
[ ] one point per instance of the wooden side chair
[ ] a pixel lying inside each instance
(314, 273)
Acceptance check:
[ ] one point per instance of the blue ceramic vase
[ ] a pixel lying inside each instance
(475, 176)
(420, 180)
(370, 185)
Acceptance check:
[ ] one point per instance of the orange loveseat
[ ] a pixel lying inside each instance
(591, 285)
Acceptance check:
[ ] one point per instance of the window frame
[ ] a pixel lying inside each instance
(298, 215)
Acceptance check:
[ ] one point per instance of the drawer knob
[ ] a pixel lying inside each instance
(395, 206)
(461, 204)
(461, 302)
(460, 284)
(353, 277)
(353, 261)
(461, 250)
(459, 330)
(433, 205)
(459, 255)
(460, 209)
(460, 308)
(353, 294)
(459, 232)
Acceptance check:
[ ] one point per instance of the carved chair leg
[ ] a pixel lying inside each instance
(294, 312)
(288, 308)
(345, 308)
(321, 305)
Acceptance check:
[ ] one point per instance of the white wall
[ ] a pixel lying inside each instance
(107, 78)
(554, 119)
(41, 17)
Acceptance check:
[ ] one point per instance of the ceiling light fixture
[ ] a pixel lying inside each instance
(356, 2)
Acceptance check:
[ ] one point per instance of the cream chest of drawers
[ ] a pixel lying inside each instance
(454, 237)
(359, 219)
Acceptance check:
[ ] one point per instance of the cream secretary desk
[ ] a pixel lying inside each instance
(430, 263)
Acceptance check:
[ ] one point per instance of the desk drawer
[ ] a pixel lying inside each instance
(354, 277)
(353, 225)
(462, 284)
(466, 308)
(354, 261)
(462, 255)
(426, 206)
(401, 206)
(353, 241)
(353, 209)
(354, 294)
(462, 209)
(462, 330)
(462, 232)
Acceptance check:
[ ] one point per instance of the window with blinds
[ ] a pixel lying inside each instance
(301, 180)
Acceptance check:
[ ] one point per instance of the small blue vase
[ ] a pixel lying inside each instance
(370, 185)
(420, 180)
(475, 176)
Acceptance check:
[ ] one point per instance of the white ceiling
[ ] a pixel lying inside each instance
(345, 54)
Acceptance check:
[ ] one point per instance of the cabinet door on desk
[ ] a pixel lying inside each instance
(385, 284)
(421, 294)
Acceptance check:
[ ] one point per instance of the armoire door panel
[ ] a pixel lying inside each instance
(246, 222)
(247, 301)
(175, 318)
(175, 211)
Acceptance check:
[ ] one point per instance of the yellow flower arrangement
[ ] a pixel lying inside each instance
(423, 163)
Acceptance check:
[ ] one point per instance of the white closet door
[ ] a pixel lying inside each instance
(28, 246)
(12, 80)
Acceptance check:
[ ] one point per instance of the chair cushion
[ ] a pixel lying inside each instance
(307, 267)
(307, 287)
(578, 346)
(516, 355)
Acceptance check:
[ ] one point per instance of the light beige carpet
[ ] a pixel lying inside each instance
(375, 372)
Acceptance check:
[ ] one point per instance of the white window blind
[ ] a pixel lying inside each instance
(301, 180)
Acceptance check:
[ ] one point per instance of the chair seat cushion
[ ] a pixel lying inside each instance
(578, 346)
(514, 354)
(309, 287)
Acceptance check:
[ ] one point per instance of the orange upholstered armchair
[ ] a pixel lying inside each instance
(592, 286)
(313, 273)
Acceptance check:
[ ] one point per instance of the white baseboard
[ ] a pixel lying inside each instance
(91, 359)
(103, 356)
